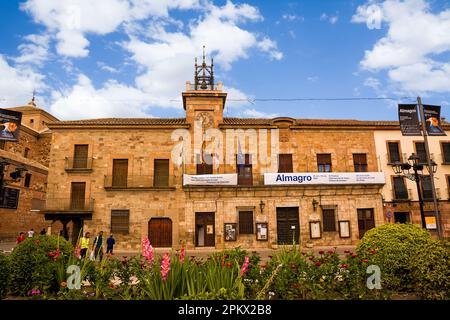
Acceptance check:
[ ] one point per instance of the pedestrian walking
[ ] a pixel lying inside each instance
(110, 242)
(31, 233)
(84, 245)
(98, 246)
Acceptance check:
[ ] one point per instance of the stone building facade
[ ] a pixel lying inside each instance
(210, 181)
(400, 194)
(32, 151)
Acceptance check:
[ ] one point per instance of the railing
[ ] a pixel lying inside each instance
(138, 182)
(74, 164)
(401, 194)
(403, 158)
(69, 204)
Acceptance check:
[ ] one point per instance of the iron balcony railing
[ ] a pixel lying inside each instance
(427, 194)
(74, 164)
(69, 204)
(138, 182)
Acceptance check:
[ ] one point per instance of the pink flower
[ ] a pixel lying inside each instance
(165, 266)
(78, 252)
(245, 266)
(182, 254)
(147, 250)
(51, 254)
(57, 253)
(317, 264)
(321, 252)
(345, 266)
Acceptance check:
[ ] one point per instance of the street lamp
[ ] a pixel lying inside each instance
(405, 167)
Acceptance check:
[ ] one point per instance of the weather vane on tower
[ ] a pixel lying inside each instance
(204, 74)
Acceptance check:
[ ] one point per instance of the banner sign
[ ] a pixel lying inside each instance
(324, 178)
(210, 179)
(10, 125)
(409, 120)
(432, 116)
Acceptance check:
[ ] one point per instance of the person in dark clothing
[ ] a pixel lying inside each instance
(43, 232)
(98, 246)
(110, 242)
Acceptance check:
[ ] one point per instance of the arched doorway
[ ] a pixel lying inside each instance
(160, 232)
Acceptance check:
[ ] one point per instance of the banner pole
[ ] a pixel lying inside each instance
(430, 168)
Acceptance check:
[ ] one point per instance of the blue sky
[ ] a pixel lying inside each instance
(131, 58)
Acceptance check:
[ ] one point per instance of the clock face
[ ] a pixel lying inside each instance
(206, 119)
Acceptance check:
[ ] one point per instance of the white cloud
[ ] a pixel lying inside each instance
(292, 17)
(414, 38)
(112, 100)
(18, 83)
(312, 78)
(331, 19)
(372, 83)
(35, 51)
(71, 20)
(105, 67)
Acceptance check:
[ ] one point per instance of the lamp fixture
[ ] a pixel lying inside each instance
(314, 204)
(262, 205)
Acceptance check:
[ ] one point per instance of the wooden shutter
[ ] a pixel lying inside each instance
(360, 162)
(426, 187)
(161, 173)
(80, 156)
(77, 201)
(160, 232)
(324, 162)
(120, 173)
(394, 152)
(285, 163)
(446, 152)
(120, 221)
(9, 198)
(420, 151)
(400, 190)
(329, 220)
(27, 181)
(245, 171)
(246, 222)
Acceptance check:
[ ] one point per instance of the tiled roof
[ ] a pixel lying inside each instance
(123, 121)
(309, 122)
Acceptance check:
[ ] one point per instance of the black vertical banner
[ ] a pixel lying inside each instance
(409, 120)
(433, 120)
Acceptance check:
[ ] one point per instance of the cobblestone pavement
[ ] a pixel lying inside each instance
(7, 247)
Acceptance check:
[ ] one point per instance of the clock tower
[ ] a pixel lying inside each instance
(204, 101)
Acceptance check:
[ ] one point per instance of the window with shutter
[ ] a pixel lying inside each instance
(27, 181)
(427, 192)
(400, 190)
(446, 152)
(394, 152)
(206, 167)
(77, 201)
(329, 220)
(120, 173)
(324, 162)
(285, 163)
(161, 173)
(244, 171)
(360, 162)
(246, 222)
(2, 144)
(420, 151)
(80, 156)
(120, 221)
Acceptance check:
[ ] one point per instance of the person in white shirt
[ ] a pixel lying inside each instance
(31, 233)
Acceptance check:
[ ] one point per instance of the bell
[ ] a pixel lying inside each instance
(203, 86)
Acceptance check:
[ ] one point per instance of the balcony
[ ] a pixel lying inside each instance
(403, 158)
(69, 205)
(141, 182)
(78, 164)
(427, 195)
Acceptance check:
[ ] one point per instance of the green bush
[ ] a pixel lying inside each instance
(431, 271)
(393, 247)
(33, 267)
(4, 275)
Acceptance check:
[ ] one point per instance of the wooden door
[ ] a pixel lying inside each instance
(366, 221)
(80, 156)
(288, 226)
(77, 196)
(160, 232)
(120, 173)
(161, 173)
(205, 229)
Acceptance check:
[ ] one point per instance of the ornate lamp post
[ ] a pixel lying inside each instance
(405, 169)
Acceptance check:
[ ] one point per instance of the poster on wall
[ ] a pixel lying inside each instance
(261, 231)
(432, 116)
(230, 231)
(344, 229)
(430, 222)
(10, 125)
(315, 230)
